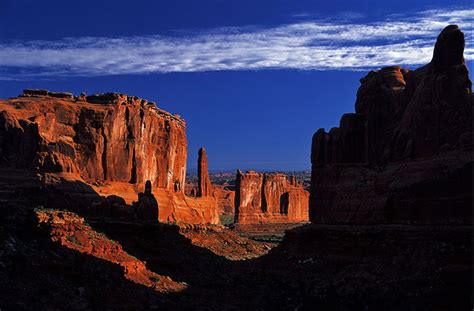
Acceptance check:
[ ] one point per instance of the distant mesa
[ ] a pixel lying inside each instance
(269, 198)
(405, 155)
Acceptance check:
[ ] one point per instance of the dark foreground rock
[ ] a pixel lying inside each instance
(405, 155)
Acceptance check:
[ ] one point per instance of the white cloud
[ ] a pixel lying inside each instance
(309, 45)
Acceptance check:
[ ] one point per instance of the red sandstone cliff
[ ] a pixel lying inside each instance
(225, 199)
(105, 137)
(405, 155)
(269, 198)
(113, 142)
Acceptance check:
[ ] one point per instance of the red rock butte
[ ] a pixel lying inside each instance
(269, 198)
(405, 155)
(111, 142)
(225, 199)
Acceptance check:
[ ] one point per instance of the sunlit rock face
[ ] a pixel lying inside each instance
(269, 198)
(112, 142)
(405, 155)
(225, 199)
(105, 137)
(204, 182)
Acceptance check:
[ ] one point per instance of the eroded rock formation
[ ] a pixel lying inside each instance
(108, 137)
(204, 182)
(225, 199)
(405, 155)
(204, 188)
(269, 198)
(112, 142)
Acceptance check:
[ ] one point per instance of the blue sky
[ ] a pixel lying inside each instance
(253, 79)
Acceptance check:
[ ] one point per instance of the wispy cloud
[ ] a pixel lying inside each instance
(343, 16)
(310, 45)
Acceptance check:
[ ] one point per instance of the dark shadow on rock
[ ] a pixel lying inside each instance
(38, 274)
(316, 266)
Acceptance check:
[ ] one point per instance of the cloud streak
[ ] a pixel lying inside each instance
(308, 45)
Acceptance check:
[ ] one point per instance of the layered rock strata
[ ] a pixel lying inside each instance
(106, 137)
(405, 155)
(269, 198)
(112, 142)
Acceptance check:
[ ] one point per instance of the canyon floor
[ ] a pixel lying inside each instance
(52, 259)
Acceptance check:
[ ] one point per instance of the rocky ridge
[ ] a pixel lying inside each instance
(71, 231)
(405, 155)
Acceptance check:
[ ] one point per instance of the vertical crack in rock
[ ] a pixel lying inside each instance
(264, 204)
(127, 116)
(133, 174)
(104, 156)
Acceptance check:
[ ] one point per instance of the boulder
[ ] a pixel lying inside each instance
(34, 92)
(61, 95)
